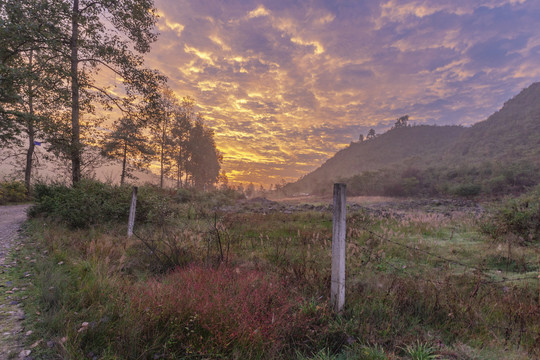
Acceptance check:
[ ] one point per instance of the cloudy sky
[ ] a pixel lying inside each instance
(285, 83)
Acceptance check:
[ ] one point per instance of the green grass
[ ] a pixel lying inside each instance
(413, 289)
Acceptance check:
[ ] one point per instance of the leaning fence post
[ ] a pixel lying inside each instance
(131, 221)
(337, 287)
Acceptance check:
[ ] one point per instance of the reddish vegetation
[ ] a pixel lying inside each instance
(218, 310)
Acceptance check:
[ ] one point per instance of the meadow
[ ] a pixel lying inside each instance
(212, 276)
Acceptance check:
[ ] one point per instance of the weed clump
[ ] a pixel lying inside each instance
(12, 192)
(519, 217)
(217, 312)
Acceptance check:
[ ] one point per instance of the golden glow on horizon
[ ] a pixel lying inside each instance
(287, 85)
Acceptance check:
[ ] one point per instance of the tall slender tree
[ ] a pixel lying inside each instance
(33, 91)
(101, 34)
(179, 137)
(128, 144)
(89, 36)
(162, 114)
(205, 160)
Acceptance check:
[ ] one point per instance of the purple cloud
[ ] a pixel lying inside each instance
(287, 83)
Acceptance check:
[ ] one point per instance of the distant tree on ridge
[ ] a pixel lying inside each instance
(402, 122)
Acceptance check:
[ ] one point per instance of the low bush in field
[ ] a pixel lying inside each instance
(85, 204)
(91, 202)
(519, 217)
(201, 311)
(467, 190)
(12, 191)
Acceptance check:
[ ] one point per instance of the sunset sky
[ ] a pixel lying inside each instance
(285, 84)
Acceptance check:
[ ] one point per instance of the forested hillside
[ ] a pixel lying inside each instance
(494, 156)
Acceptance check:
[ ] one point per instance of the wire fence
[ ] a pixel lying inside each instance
(483, 278)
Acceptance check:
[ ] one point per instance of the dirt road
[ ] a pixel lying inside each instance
(11, 219)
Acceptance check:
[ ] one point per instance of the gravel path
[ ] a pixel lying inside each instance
(11, 219)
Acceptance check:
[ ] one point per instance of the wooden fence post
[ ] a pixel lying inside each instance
(337, 287)
(131, 221)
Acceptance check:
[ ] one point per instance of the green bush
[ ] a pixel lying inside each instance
(520, 217)
(467, 190)
(85, 204)
(12, 191)
(91, 202)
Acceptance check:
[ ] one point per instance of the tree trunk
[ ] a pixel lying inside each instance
(124, 160)
(29, 158)
(163, 144)
(161, 162)
(30, 130)
(179, 171)
(75, 106)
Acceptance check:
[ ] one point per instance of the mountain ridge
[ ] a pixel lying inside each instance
(509, 136)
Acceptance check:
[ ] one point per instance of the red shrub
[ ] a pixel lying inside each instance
(209, 311)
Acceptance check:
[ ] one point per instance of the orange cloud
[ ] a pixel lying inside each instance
(286, 85)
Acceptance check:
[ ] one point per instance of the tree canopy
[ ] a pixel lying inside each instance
(81, 38)
(51, 55)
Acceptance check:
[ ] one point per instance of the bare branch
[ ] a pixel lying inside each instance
(116, 101)
(101, 62)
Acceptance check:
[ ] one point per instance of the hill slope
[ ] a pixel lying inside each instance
(477, 155)
(510, 134)
(410, 146)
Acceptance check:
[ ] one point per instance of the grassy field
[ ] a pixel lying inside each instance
(199, 283)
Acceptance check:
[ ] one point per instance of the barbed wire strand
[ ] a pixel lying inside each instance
(451, 261)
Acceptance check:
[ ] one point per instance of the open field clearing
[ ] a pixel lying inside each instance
(173, 178)
(199, 282)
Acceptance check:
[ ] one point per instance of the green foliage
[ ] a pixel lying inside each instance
(365, 352)
(269, 299)
(87, 203)
(184, 146)
(58, 46)
(354, 351)
(491, 179)
(421, 351)
(519, 265)
(12, 192)
(127, 143)
(324, 354)
(519, 217)
(205, 160)
(91, 202)
(372, 353)
(208, 199)
(401, 122)
(467, 190)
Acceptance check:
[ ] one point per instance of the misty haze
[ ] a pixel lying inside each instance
(265, 179)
